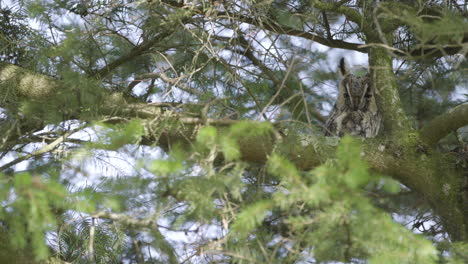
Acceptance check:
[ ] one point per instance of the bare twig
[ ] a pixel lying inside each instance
(91, 241)
(281, 86)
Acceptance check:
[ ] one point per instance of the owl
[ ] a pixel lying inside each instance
(355, 111)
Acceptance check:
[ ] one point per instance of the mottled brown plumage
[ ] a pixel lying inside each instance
(355, 111)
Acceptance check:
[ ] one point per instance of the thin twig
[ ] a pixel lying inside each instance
(39, 152)
(279, 89)
(91, 241)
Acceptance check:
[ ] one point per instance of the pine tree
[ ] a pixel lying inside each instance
(192, 132)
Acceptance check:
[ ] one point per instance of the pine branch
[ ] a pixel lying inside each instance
(281, 29)
(134, 53)
(339, 8)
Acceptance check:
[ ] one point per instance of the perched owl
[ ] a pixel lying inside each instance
(355, 111)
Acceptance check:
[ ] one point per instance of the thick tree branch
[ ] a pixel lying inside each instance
(431, 177)
(442, 125)
(396, 123)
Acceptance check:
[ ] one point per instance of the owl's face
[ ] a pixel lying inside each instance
(355, 92)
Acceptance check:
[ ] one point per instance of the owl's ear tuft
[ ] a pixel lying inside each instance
(343, 68)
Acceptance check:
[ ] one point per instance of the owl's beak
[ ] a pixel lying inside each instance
(355, 103)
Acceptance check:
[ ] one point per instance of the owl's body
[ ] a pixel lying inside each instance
(355, 111)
